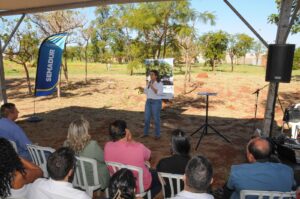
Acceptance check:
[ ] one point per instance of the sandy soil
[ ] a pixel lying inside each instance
(106, 98)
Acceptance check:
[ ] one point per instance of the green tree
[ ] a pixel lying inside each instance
(244, 45)
(103, 30)
(214, 46)
(296, 63)
(232, 49)
(95, 49)
(23, 50)
(158, 23)
(86, 35)
(136, 55)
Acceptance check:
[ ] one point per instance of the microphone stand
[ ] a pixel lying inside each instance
(256, 103)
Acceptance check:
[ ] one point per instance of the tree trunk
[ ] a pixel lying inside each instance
(213, 65)
(65, 68)
(185, 74)
(231, 59)
(86, 63)
(244, 59)
(165, 45)
(27, 79)
(190, 68)
(59, 85)
(131, 72)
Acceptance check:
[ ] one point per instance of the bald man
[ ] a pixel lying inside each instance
(259, 173)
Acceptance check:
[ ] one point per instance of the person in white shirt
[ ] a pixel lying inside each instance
(154, 91)
(60, 166)
(197, 179)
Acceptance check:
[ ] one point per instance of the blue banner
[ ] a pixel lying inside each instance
(49, 62)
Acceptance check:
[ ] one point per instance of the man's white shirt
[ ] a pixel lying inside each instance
(51, 189)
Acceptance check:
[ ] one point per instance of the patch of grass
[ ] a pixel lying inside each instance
(78, 68)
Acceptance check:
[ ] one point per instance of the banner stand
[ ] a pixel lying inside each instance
(48, 68)
(34, 118)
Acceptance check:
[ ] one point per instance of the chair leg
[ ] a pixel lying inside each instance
(90, 192)
(106, 193)
(294, 131)
(149, 194)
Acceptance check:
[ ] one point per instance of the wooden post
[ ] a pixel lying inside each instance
(3, 96)
(283, 28)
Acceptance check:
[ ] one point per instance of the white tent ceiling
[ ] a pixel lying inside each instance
(14, 7)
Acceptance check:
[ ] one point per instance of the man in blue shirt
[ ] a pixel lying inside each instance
(259, 173)
(11, 131)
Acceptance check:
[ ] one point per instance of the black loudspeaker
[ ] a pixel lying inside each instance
(280, 62)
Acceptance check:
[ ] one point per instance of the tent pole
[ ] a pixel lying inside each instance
(282, 31)
(3, 96)
(13, 32)
(246, 23)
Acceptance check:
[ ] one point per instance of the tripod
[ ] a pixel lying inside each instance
(206, 125)
(256, 104)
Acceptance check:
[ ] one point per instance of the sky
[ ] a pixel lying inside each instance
(255, 12)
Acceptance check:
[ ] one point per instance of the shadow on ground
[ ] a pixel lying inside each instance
(52, 131)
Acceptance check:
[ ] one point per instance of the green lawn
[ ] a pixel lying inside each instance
(77, 68)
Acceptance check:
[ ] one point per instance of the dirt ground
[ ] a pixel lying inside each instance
(106, 98)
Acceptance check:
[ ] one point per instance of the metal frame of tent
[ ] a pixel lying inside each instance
(286, 20)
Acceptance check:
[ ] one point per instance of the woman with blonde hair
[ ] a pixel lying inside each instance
(80, 141)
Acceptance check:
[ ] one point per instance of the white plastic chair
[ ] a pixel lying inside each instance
(170, 178)
(267, 194)
(113, 167)
(38, 156)
(295, 126)
(13, 143)
(80, 177)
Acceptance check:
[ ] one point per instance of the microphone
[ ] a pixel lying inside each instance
(149, 84)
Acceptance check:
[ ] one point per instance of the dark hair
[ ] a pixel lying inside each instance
(6, 108)
(122, 185)
(156, 73)
(117, 130)
(199, 174)
(9, 164)
(60, 163)
(260, 153)
(180, 142)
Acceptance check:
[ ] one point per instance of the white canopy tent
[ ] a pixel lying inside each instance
(15, 7)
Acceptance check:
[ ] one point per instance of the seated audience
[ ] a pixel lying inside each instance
(197, 179)
(123, 149)
(60, 166)
(175, 164)
(15, 172)
(11, 131)
(80, 141)
(122, 185)
(260, 173)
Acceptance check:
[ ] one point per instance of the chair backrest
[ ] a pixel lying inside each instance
(80, 177)
(173, 181)
(113, 167)
(244, 194)
(13, 143)
(39, 156)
